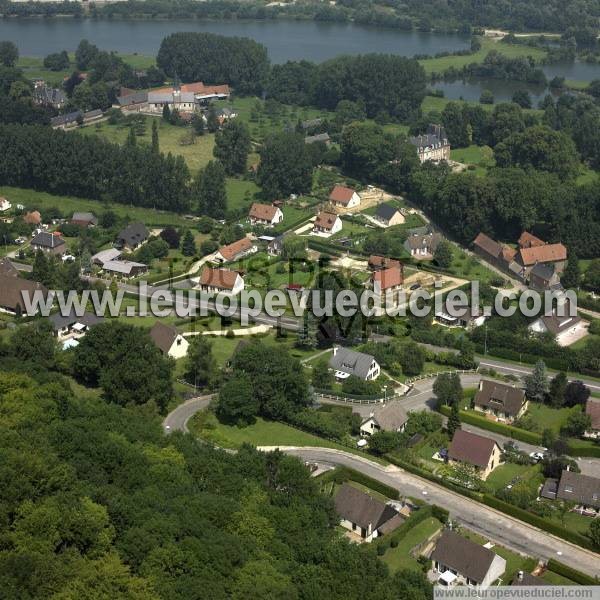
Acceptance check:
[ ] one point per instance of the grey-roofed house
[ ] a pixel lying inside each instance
(549, 489)
(422, 245)
(48, 96)
(72, 326)
(7, 268)
(319, 137)
(389, 417)
(346, 362)
(11, 293)
(84, 219)
(389, 215)
(581, 489)
(72, 119)
(133, 236)
(433, 145)
(133, 101)
(364, 515)
(543, 277)
(104, 256)
(502, 401)
(124, 268)
(458, 560)
(50, 243)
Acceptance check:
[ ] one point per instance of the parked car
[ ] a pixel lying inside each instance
(415, 286)
(537, 456)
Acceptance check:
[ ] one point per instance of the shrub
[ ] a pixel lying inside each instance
(570, 573)
(345, 474)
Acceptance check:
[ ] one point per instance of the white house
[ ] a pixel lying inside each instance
(346, 362)
(265, 214)
(389, 417)
(344, 197)
(327, 224)
(215, 281)
(235, 251)
(168, 340)
(4, 205)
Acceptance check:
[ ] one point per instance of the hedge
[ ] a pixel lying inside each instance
(415, 518)
(345, 473)
(537, 521)
(570, 573)
(584, 448)
(529, 437)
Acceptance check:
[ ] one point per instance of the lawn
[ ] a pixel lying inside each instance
(481, 157)
(399, 558)
(469, 267)
(505, 473)
(437, 65)
(261, 433)
(549, 418)
(240, 193)
(68, 204)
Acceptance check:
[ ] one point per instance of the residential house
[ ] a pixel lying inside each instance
(364, 515)
(560, 327)
(377, 263)
(45, 95)
(581, 489)
(319, 137)
(422, 246)
(50, 243)
(104, 256)
(463, 317)
(4, 205)
(185, 98)
(544, 277)
(235, 251)
(347, 362)
(389, 215)
(311, 123)
(265, 214)
(389, 417)
(11, 293)
(275, 246)
(460, 561)
(552, 254)
(327, 224)
(84, 219)
(476, 450)
(32, 218)
(124, 268)
(7, 268)
(433, 145)
(225, 114)
(344, 197)
(74, 119)
(71, 326)
(132, 237)
(215, 281)
(168, 340)
(504, 402)
(592, 408)
(528, 240)
(132, 100)
(498, 255)
(387, 285)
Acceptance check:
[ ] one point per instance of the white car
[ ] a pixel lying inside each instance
(537, 456)
(68, 258)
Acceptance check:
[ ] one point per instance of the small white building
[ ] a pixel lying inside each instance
(5, 205)
(235, 251)
(389, 417)
(346, 362)
(168, 340)
(344, 197)
(327, 224)
(215, 281)
(265, 214)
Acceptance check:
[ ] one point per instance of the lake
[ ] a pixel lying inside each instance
(284, 40)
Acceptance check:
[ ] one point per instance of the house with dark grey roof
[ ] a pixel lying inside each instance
(48, 96)
(72, 326)
(544, 277)
(581, 489)
(433, 145)
(559, 322)
(504, 402)
(73, 119)
(346, 362)
(422, 246)
(364, 515)
(481, 453)
(50, 243)
(132, 237)
(389, 215)
(459, 561)
(389, 417)
(124, 268)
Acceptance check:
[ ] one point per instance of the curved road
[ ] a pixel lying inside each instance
(497, 526)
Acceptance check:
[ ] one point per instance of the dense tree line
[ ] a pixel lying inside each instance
(211, 58)
(384, 84)
(90, 167)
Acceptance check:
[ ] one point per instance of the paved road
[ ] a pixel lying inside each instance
(497, 526)
(177, 420)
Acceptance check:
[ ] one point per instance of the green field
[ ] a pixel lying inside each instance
(549, 418)
(399, 558)
(504, 474)
(469, 267)
(480, 157)
(437, 65)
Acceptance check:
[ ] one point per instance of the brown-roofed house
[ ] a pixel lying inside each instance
(7, 268)
(389, 417)
(592, 408)
(168, 340)
(381, 262)
(581, 489)
(265, 214)
(476, 450)
(462, 561)
(549, 253)
(235, 251)
(528, 240)
(32, 218)
(363, 514)
(500, 255)
(504, 402)
(327, 223)
(387, 285)
(344, 197)
(214, 281)
(11, 293)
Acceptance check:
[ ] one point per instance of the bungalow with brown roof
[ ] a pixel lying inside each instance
(7, 268)
(592, 408)
(459, 561)
(265, 214)
(344, 197)
(327, 224)
(215, 281)
(387, 283)
(500, 401)
(476, 450)
(11, 293)
(556, 254)
(499, 255)
(235, 251)
(168, 340)
(364, 515)
(377, 263)
(389, 417)
(581, 489)
(528, 240)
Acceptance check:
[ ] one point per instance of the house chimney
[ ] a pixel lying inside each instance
(568, 467)
(520, 575)
(335, 349)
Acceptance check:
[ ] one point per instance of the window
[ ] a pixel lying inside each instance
(569, 488)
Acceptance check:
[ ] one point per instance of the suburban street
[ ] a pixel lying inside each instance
(499, 527)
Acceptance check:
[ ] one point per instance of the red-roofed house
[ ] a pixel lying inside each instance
(214, 281)
(344, 197)
(327, 223)
(387, 283)
(265, 214)
(528, 240)
(548, 253)
(235, 251)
